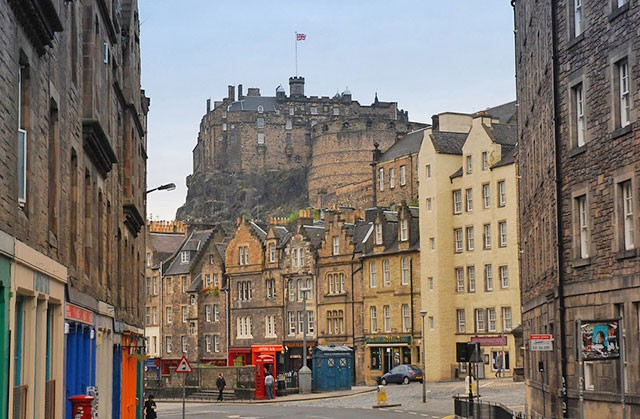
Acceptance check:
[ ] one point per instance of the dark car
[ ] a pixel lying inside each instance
(402, 374)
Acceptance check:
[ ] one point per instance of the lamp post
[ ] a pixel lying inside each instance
(304, 375)
(166, 187)
(423, 313)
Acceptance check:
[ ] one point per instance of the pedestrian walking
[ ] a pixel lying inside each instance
(268, 385)
(221, 384)
(498, 364)
(150, 408)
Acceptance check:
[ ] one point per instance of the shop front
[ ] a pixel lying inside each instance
(239, 356)
(293, 355)
(386, 352)
(5, 286)
(81, 352)
(275, 351)
(133, 355)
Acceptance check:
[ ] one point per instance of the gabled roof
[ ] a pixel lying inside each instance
(314, 234)
(409, 144)
(448, 142)
(508, 156)
(251, 103)
(259, 231)
(505, 113)
(195, 284)
(194, 244)
(361, 233)
(165, 244)
(503, 133)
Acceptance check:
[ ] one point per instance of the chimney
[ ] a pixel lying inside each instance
(232, 93)
(240, 94)
(253, 91)
(296, 86)
(208, 105)
(435, 123)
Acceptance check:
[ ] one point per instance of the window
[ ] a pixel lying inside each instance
(183, 310)
(577, 93)
(628, 229)
(459, 272)
(336, 245)
(183, 343)
(485, 160)
(374, 319)
(23, 112)
(148, 285)
(244, 327)
(301, 328)
(245, 291)
(386, 273)
(192, 299)
(432, 243)
(292, 290)
(457, 202)
(486, 236)
(272, 252)
(184, 257)
(216, 280)
(502, 229)
(169, 344)
(470, 241)
(430, 282)
(148, 315)
(271, 288)
(224, 126)
(260, 138)
(381, 179)
(392, 178)
(216, 343)
(169, 285)
(428, 204)
(311, 322)
(216, 312)
(378, 233)
(469, 196)
(336, 111)
(260, 109)
(406, 323)
(291, 317)
(288, 125)
(506, 319)
(207, 281)
(297, 256)
(620, 3)
(624, 97)
(583, 227)
(270, 326)
(469, 165)
(471, 276)
(207, 343)
(373, 282)
(460, 315)
(387, 318)
(502, 194)
(403, 175)
(331, 284)
(488, 278)
(301, 290)
(292, 110)
(504, 276)
(335, 322)
(154, 312)
(480, 320)
(404, 229)
(404, 277)
(491, 318)
(243, 255)
(341, 288)
(314, 110)
(577, 18)
(428, 171)
(185, 284)
(192, 328)
(486, 195)
(169, 315)
(260, 123)
(457, 239)
(207, 313)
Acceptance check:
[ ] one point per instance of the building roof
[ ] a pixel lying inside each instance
(251, 103)
(409, 144)
(315, 234)
(448, 142)
(457, 173)
(194, 244)
(505, 113)
(165, 244)
(504, 134)
(508, 156)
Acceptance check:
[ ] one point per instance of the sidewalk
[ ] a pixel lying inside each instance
(317, 396)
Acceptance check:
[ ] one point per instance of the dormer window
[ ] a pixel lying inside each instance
(404, 229)
(336, 245)
(260, 109)
(272, 252)
(378, 233)
(184, 256)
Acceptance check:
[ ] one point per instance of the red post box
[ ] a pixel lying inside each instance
(81, 406)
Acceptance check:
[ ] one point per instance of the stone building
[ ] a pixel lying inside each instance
(577, 90)
(309, 146)
(339, 284)
(468, 233)
(73, 135)
(391, 291)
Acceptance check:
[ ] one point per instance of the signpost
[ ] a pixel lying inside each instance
(541, 342)
(184, 367)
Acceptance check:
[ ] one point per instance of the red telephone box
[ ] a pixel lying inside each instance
(264, 363)
(81, 406)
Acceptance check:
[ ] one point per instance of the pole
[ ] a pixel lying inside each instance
(580, 367)
(184, 391)
(423, 313)
(500, 374)
(296, 41)
(622, 361)
(304, 328)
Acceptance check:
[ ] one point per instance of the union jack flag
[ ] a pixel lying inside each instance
(301, 36)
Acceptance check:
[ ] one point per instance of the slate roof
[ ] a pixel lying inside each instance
(457, 173)
(195, 284)
(448, 142)
(251, 103)
(409, 144)
(314, 234)
(505, 113)
(508, 156)
(262, 234)
(361, 233)
(194, 244)
(503, 134)
(165, 244)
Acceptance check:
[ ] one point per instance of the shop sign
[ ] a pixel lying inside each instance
(266, 348)
(490, 340)
(540, 342)
(78, 314)
(387, 339)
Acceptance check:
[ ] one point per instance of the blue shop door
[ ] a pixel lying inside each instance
(344, 373)
(332, 374)
(81, 363)
(117, 381)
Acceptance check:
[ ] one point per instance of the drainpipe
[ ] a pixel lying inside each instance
(353, 319)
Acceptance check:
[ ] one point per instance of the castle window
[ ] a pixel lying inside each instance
(288, 124)
(578, 26)
(260, 109)
(336, 111)
(260, 122)
(314, 110)
(260, 138)
(292, 110)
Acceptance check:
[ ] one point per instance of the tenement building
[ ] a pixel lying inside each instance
(72, 241)
(579, 183)
(468, 241)
(319, 148)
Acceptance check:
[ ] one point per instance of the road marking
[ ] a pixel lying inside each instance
(412, 413)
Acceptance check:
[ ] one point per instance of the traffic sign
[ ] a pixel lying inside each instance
(541, 342)
(184, 365)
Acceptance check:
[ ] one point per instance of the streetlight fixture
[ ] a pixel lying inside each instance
(304, 370)
(166, 187)
(423, 313)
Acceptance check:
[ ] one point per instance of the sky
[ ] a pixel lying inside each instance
(430, 56)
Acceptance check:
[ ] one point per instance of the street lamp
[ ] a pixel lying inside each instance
(423, 313)
(305, 383)
(167, 187)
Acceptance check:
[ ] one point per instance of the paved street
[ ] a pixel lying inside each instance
(439, 403)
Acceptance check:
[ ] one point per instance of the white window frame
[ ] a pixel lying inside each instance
(169, 315)
(628, 225)
(185, 313)
(404, 274)
(406, 318)
(336, 245)
(404, 229)
(386, 273)
(583, 226)
(459, 276)
(504, 276)
(373, 274)
(507, 319)
(578, 23)
(471, 277)
(469, 165)
(403, 175)
(458, 240)
(486, 236)
(381, 179)
(168, 344)
(386, 310)
(291, 319)
(373, 313)
(392, 178)
(457, 201)
(502, 230)
(216, 343)
(491, 320)
(485, 160)
(578, 98)
(469, 199)
(624, 92)
(488, 277)
(470, 238)
(260, 121)
(270, 326)
(481, 321)
(208, 313)
(486, 195)
(216, 312)
(207, 343)
(260, 139)
(379, 237)
(502, 193)
(461, 320)
(184, 257)
(272, 252)
(184, 344)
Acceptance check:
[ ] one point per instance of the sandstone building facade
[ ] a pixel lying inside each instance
(73, 135)
(577, 90)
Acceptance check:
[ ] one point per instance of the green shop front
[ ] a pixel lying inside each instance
(387, 351)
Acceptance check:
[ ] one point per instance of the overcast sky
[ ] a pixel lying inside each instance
(430, 56)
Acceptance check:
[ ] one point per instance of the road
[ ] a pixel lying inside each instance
(439, 404)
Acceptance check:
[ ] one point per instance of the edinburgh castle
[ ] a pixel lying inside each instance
(260, 154)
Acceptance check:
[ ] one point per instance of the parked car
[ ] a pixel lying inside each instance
(402, 374)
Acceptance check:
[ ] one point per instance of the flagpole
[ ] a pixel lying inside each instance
(296, 41)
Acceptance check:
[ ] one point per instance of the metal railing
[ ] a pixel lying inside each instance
(478, 409)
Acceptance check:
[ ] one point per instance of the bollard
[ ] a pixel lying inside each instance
(381, 395)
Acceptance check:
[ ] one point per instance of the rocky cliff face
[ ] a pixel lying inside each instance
(222, 197)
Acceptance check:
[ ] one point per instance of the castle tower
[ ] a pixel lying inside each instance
(296, 87)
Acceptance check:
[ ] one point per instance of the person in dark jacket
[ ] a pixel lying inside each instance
(221, 384)
(150, 408)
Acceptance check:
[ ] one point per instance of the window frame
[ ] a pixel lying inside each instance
(457, 201)
(458, 240)
(403, 175)
(461, 320)
(468, 194)
(486, 195)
